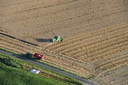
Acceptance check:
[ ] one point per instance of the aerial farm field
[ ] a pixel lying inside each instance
(10, 67)
(95, 34)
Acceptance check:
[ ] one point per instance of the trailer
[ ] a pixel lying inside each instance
(35, 55)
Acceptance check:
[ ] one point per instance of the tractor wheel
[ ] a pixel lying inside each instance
(62, 40)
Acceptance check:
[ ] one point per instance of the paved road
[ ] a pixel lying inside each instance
(82, 80)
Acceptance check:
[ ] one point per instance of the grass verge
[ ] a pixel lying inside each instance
(13, 76)
(22, 55)
(10, 63)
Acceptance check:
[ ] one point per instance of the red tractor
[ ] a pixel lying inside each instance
(35, 55)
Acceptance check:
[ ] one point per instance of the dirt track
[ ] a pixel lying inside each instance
(35, 20)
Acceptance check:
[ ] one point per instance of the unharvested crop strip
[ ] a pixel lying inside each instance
(65, 63)
(80, 37)
(88, 35)
(106, 41)
(107, 63)
(119, 72)
(87, 47)
(120, 62)
(13, 43)
(103, 44)
(111, 59)
(109, 47)
(85, 40)
(3, 46)
(46, 58)
(109, 52)
(71, 48)
(77, 64)
(91, 43)
(94, 49)
(14, 47)
(20, 43)
(64, 66)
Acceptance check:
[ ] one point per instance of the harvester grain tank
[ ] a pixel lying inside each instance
(57, 38)
(35, 55)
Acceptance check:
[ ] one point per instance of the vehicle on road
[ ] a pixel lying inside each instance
(35, 55)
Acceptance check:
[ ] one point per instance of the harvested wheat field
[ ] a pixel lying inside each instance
(95, 34)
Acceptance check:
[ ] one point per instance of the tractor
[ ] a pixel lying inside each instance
(35, 55)
(57, 38)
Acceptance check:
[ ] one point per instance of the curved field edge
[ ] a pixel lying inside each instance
(23, 67)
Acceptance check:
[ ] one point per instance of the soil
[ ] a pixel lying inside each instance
(36, 20)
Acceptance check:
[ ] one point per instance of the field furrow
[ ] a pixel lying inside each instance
(85, 52)
(112, 47)
(95, 34)
(18, 44)
(115, 77)
(88, 40)
(10, 49)
(92, 35)
(85, 40)
(115, 64)
(123, 47)
(21, 48)
(122, 79)
(89, 46)
(110, 59)
(13, 47)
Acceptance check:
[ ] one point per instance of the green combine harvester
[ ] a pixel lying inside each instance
(57, 38)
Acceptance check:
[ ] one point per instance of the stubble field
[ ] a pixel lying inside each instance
(95, 33)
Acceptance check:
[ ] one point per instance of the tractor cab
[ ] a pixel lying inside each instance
(57, 38)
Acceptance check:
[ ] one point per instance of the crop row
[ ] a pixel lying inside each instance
(19, 44)
(110, 59)
(92, 35)
(93, 44)
(118, 62)
(105, 49)
(109, 52)
(117, 76)
(51, 58)
(98, 53)
(84, 43)
(107, 44)
(72, 64)
(97, 46)
(101, 46)
(107, 64)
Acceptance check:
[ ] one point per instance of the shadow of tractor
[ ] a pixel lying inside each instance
(44, 40)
